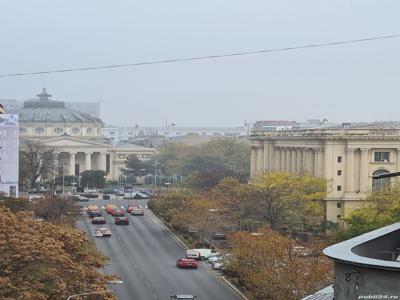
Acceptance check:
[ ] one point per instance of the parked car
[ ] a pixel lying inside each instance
(98, 220)
(89, 208)
(95, 213)
(102, 232)
(121, 221)
(118, 213)
(137, 211)
(83, 199)
(219, 236)
(217, 265)
(186, 263)
(109, 191)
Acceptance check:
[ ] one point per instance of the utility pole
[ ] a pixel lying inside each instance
(155, 174)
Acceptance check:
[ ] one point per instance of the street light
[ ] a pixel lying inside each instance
(156, 163)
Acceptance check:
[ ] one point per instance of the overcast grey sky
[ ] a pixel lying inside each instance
(358, 82)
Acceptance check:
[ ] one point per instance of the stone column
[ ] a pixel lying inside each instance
(293, 168)
(253, 161)
(72, 163)
(349, 175)
(299, 167)
(102, 161)
(283, 159)
(271, 159)
(88, 161)
(260, 159)
(364, 163)
(312, 161)
(277, 154)
(266, 158)
(288, 160)
(305, 160)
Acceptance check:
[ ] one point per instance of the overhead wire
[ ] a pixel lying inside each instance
(207, 57)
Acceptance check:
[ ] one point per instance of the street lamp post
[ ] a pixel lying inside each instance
(156, 163)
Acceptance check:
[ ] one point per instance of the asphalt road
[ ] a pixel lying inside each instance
(144, 254)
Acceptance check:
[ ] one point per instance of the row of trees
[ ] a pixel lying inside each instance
(43, 260)
(202, 166)
(279, 207)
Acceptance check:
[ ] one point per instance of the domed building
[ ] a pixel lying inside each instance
(76, 137)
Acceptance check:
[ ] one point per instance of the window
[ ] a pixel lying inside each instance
(339, 188)
(75, 130)
(381, 156)
(378, 184)
(89, 130)
(58, 130)
(339, 205)
(22, 130)
(338, 216)
(122, 156)
(339, 159)
(339, 172)
(39, 130)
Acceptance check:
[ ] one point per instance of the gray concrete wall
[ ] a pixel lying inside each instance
(363, 281)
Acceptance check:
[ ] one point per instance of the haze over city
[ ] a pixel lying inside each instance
(356, 82)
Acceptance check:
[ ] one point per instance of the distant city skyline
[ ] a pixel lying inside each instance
(356, 82)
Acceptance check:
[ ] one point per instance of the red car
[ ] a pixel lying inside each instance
(118, 213)
(98, 220)
(187, 263)
(131, 207)
(121, 221)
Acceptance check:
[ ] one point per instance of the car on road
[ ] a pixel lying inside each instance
(98, 220)
(121, 221)
(131, 207)
(187, 263)
(137, 211)
(118, 213)
(183, 297)
(110, 208)
(95, 213)
(102, 232)
(89, 208)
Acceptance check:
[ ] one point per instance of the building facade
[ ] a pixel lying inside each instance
(9, 154)
(124, 134)
(347, 156)
(76, 137)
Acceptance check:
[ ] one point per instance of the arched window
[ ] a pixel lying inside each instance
(378, 184)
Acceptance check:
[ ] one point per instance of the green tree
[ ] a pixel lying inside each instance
(291, 202)
(93, 178)
(380, 208)
(134, 166)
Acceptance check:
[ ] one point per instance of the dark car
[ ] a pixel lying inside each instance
(98, 220)
(95, 213)
(118, 213)
(121, 221)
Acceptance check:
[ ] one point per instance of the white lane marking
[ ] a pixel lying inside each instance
(103, 207)
(147, 284)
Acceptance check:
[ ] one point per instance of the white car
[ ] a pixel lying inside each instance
(214, 258)
(102, 232)
(217, 265)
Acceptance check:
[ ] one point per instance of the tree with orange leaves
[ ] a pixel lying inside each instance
(271, 266)
(40, 260)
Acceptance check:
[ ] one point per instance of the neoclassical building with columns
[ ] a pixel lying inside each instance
(347, 156)
(76, 137)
